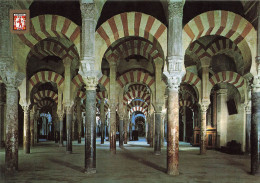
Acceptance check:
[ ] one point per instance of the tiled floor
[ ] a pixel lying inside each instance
(134, 163)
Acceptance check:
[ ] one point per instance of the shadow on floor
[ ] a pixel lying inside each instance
(128, 154)
(67, 164)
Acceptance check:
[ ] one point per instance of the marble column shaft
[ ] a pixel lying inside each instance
(32, 129)
(255, 101)
(157, 134)
(90, 135)
(69, 128)
(102, 117)
(175, 64)
(203, 130)
(222, 117)
(248, 128)
(1, 124)
(121, 132)
(125, 130)
(5, 34)
(173, 133)
(255, 122)
(26, 131)
(152, 130)
(113, 104)
(149, 129)
(112, 129)
(79, 121)
(11, 148)
(61, 129)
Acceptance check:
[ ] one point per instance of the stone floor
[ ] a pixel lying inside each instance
(134, 163)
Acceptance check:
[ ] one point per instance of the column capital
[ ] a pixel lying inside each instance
(204, 105)
(112, 106)
(67, 62)
(11, 79)
(91, 82)
(88, 10)
(222, 91)
(175, 8)
(174, 81)
(26, 108)
(248, 107)
(69, 107)
(158, 108)
(60, 114)
(256, 84)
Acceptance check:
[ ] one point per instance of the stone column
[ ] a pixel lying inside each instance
(214, 109)
(173, 128)
(69, 109)
(203, 127)
(255, 102)
(90, 125)
(205, 101)
(102, 117)
(148, 121)
(174, 75)
(125, 129)
(79, 120)
(222, 115)
(26, 129)
(1, 117)
(162, 129)
(60, 114)
(36, 117)
(89, 74)
(157, 134)
(113, 105)
(5, 34)
(184, 124)
(255, 123)
(248, 124)
(12, 80)
(32, 127)
(112, 133)
(152, 130)
(121, 130)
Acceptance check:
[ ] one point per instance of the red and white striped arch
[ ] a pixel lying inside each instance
(40, 95)
(133, 94)
(53, 47)
(226, 24)
(138, 108)
(230, 77)
(195, 50)
(137, 103)
(45, 103)
(45, 26)
(44, 77)
(129, 24)
(228, 47)
(136, 76)
(193, 80)
(134, 47)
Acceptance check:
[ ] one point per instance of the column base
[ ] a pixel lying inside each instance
(61, 145)
(173, 173)
(11, 170)
(157, 153)
(90, 171)
(68, 152)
